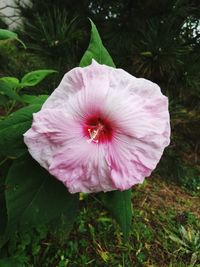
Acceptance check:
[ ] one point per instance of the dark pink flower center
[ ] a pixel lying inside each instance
(97, 130)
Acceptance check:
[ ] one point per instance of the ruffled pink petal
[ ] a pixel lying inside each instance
(142, 134)
(93, 77)
(50, 131)
(56, 141)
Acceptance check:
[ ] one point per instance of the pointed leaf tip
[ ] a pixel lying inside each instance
(96, 50)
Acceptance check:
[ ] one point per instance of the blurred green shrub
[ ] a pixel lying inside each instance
(54, 36)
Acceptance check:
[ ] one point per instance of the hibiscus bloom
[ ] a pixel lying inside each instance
(102, 129)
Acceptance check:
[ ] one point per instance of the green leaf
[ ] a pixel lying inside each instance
(4, 168)
(120, 206)
(177, 239)
(9, 35)
(8, 89)
(34, 197)
(32, 99)
(6, 34)
(96, 50)
(11, 80)
(3, 100)
(12, 129)
(34, 77)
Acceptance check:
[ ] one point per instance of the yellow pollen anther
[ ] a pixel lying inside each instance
(93, 134)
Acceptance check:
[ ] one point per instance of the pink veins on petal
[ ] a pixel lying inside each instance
(102, 129)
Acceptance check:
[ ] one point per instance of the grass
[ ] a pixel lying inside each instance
(161, 210)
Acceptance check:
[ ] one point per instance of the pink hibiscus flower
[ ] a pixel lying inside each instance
(102, 129)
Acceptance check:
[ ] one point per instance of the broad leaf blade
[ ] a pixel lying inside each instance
(6, 34)
(34, 197)
(34, 77)
(9, 35)
(96, 50)
(4, 167)
(3, 100)
(12, 81)
(119, 204)
(8, 89)
(32, 99)
(12, 129)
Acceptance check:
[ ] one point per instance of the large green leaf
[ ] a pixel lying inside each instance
(96, 50)
(32, 99)
(4, 167)
(14, 82)
(34, 77)
(119, 204)
(8, 89)
(12, 129)
(8, 35)
(3, 100)
(34, 197)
